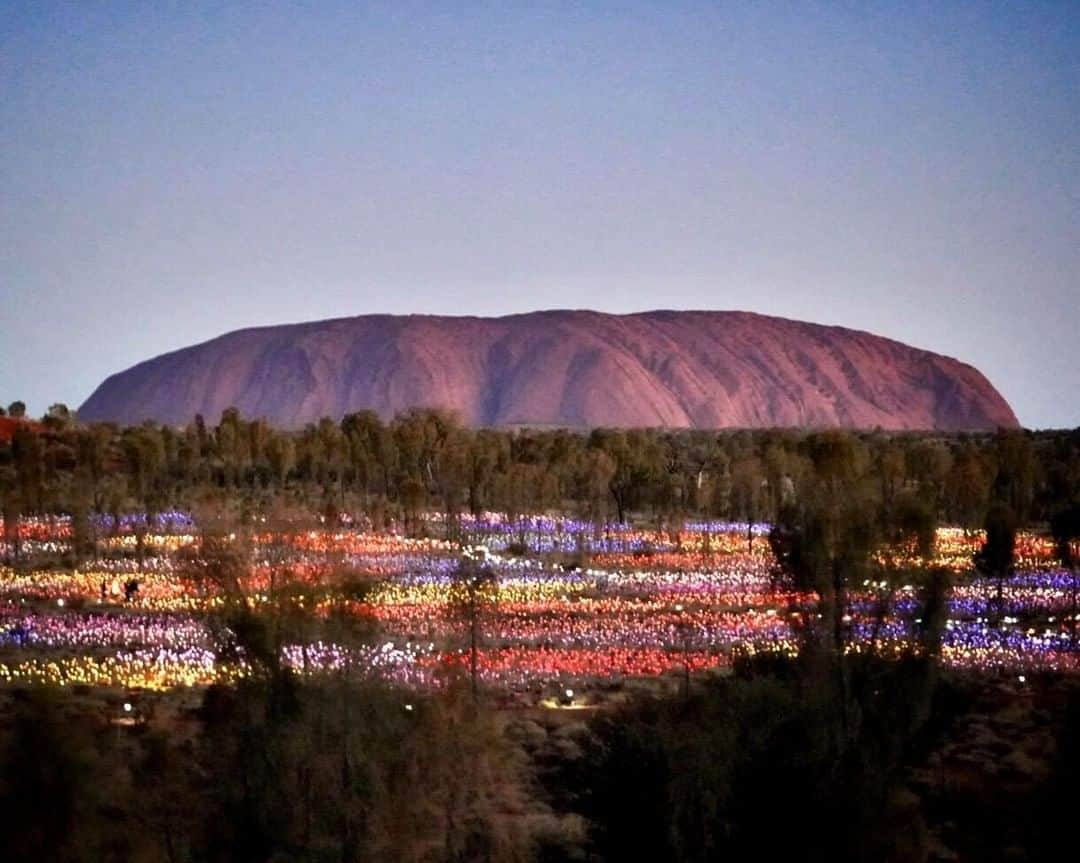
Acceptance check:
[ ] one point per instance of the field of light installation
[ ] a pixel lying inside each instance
(566, 606)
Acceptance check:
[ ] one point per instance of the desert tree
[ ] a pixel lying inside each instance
(1017, 472)
(474, 592)
(996, 555)
(1065, 529)
(27, 453)
(10, 509)
(968, 486)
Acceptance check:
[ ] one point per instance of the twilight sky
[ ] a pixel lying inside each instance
(171, 171)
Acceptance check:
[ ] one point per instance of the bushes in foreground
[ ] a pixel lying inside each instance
(271, 770)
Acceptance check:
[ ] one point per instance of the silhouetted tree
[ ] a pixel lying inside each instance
(995, 558)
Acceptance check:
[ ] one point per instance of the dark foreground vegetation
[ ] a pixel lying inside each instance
(842, 752)
(770, 762)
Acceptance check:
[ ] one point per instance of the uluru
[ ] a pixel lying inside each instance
(697, 369)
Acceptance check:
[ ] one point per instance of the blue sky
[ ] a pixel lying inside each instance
(173, 171)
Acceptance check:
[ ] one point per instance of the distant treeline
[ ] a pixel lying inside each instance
(427, 460)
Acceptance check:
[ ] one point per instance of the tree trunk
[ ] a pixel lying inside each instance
(473, 652)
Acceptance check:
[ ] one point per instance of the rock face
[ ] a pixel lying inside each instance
(567, 368)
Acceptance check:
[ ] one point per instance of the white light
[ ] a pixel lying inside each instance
(569, 693)
(60, 602)
(408, 707)
(127, 707)
(1022, 679)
